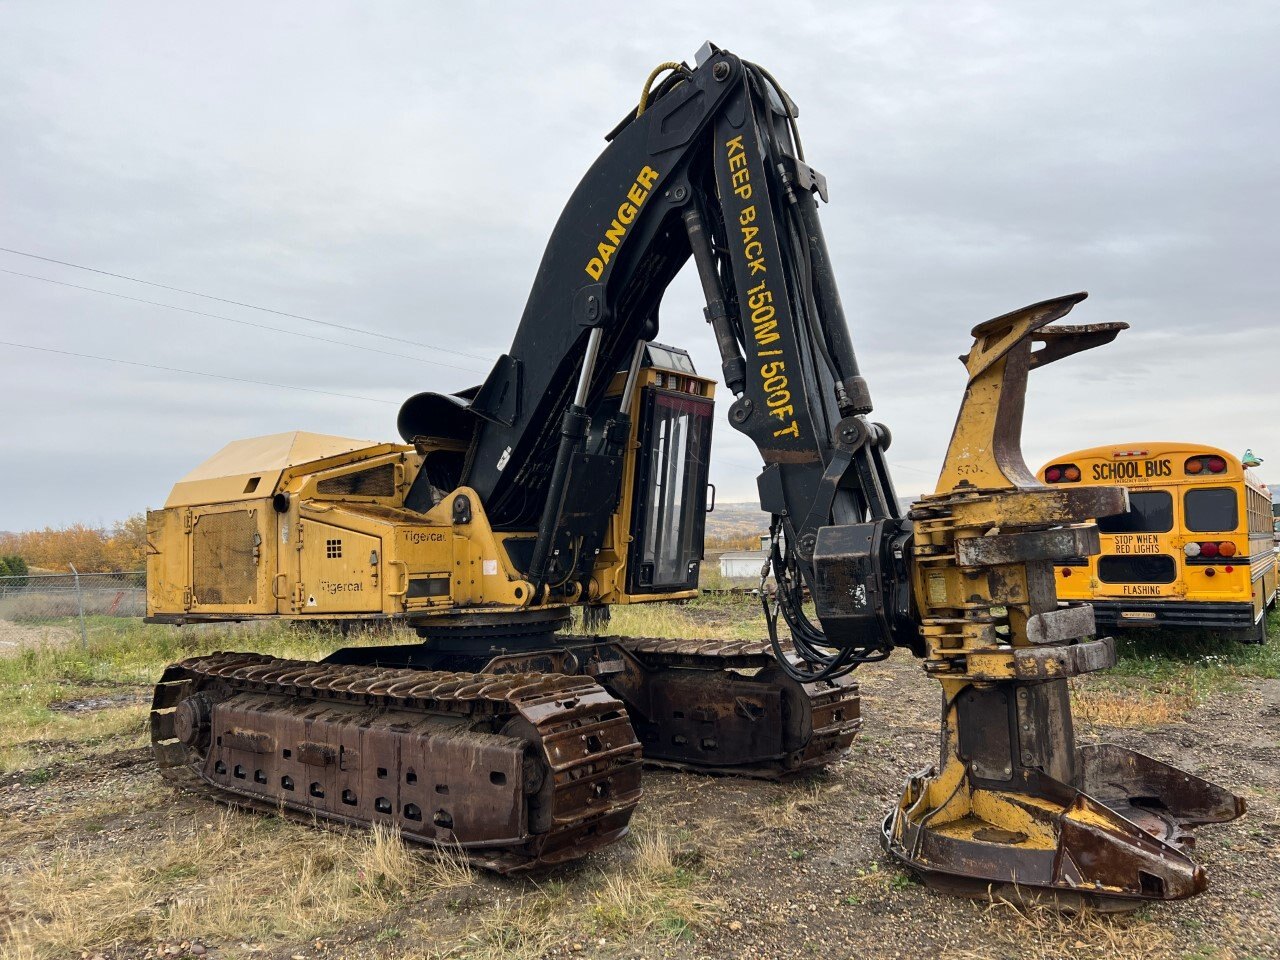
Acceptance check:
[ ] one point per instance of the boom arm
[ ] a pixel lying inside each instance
(711, 167)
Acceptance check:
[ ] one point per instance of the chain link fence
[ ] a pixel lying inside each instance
(61, 602)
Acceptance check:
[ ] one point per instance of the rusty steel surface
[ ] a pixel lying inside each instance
(1121, 838)
(1064, 623)
(712, 706)
(1015, 809)
(517, 770)
(1060, 543)
(695, 710)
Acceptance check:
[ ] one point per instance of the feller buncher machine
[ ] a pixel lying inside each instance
(576, 476)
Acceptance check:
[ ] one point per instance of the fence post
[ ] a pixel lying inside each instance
(84, 631)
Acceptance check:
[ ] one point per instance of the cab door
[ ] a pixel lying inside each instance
(670, 492)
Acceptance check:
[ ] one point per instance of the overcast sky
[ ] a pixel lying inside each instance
(398, 168)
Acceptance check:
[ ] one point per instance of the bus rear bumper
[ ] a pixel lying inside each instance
(1173, 613)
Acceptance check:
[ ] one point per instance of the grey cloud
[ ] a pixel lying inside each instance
(399, 168)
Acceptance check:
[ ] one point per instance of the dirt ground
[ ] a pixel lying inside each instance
(15, 636)
(752, 869)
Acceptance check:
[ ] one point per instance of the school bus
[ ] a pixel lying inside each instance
(1195, 549)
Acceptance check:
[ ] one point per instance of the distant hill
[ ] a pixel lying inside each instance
(738, 521)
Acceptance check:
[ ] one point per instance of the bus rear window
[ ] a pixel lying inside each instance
(1149, 569)
(1212, 510)
(1150, 511)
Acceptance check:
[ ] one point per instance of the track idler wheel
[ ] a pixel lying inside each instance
(191, 722)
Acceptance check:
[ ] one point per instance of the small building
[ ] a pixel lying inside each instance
(742, 565)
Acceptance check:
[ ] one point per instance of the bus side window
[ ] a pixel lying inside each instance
(1212, 510)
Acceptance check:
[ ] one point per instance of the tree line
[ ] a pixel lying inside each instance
(92, 549)
(723, 544)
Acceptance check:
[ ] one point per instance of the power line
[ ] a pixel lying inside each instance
(903, 466)
(240, 303)
(192, 373)
(247, 323)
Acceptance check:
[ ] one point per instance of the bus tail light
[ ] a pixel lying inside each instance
(1199, 465)
(1210, 548)
(1062, 473)
(1209, 572)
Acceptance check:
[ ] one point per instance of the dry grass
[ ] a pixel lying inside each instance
(122, 658)
(659, 620)
(1043, 933)
(46, 736)
(703, 618)
(656, 891)
(523, 928)
(236, 878)
(1111, 707)
(794, 806)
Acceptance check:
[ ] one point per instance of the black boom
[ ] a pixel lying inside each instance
(711, 166)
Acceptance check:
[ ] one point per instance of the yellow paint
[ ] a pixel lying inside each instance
(333, 554)
(626, 214)
(974, 620)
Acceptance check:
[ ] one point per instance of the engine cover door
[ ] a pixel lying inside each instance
(338, 570)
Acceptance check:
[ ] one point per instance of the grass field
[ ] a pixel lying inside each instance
(100, 857)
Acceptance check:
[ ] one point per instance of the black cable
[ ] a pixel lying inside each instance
(821, 661)
(787, 104)
(240, 303)
(193, 373)
(247, 323)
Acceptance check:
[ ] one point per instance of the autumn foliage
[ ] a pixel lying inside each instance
(749, 541)
(91, 549)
